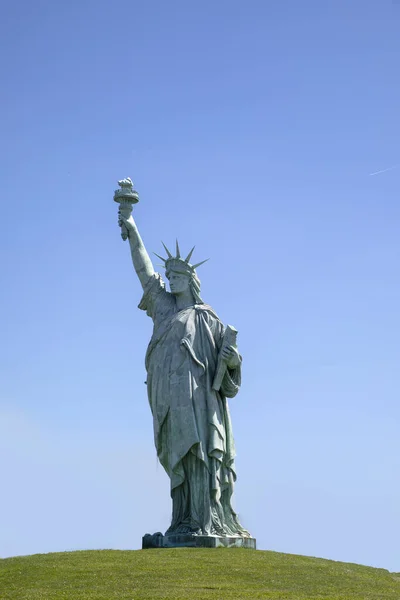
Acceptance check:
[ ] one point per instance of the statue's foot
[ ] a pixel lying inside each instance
(184, 529)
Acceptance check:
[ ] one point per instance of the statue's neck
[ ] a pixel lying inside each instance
(184, 300)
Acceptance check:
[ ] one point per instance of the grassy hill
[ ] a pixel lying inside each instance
(190, 573)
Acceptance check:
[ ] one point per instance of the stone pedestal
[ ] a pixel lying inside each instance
(158, 540)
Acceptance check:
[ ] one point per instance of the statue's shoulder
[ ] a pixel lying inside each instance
(206, 310)
(156, 299)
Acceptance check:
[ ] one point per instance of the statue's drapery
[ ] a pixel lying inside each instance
(192, 426)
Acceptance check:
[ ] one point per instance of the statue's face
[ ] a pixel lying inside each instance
(178, 282)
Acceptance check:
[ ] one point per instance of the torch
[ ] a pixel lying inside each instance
(126, 196)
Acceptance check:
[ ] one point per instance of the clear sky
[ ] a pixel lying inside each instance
(250, 129)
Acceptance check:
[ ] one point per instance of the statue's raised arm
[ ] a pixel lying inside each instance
(126, 196)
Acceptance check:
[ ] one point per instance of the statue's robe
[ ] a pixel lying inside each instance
(192, 426)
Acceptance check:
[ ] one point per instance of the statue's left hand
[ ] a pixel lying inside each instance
(231, 355)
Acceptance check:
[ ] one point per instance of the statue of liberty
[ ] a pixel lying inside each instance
(192, 425)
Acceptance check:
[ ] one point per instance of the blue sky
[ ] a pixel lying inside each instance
(250, 129)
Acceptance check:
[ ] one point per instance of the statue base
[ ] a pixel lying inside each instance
(158, 540)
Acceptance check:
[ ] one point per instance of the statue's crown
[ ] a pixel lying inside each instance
(177, 263)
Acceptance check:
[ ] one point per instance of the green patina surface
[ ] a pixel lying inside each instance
(183, 573)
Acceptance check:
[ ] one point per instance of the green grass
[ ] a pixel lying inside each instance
(190, 573)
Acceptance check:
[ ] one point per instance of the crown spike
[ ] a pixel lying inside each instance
(189, 256)
(167, 251)
(178, 252)
(200, 263)
(158, 256)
